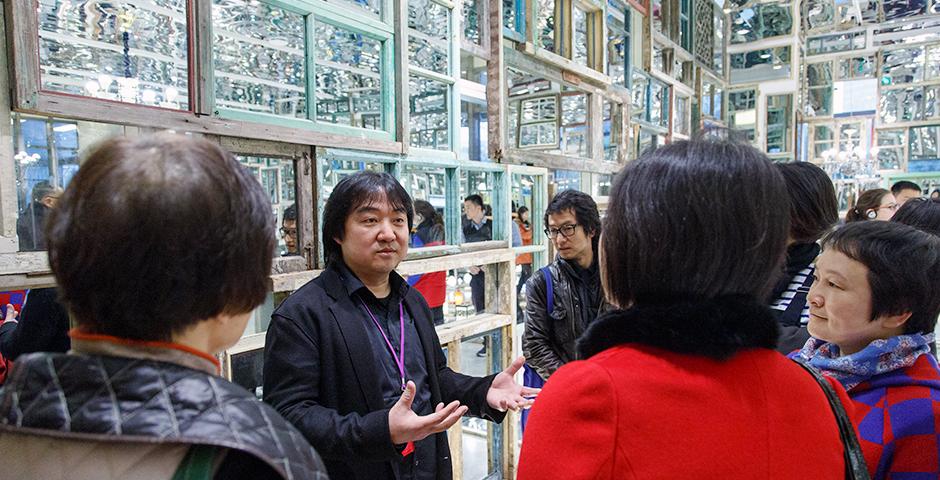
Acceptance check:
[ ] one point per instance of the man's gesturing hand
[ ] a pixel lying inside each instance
(405, 425)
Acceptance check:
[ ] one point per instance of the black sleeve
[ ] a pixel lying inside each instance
(537, 345)
(292, 386)
(43, 326)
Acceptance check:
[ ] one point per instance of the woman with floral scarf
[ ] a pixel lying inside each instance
(873, 308)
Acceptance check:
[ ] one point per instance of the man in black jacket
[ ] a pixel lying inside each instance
(574, 226)
(353, 360)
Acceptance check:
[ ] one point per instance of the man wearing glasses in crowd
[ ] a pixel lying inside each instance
(289, 231)
(574, 227)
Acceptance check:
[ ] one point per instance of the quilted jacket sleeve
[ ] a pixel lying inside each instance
(537, 344)
(291, 386)
(571, 432)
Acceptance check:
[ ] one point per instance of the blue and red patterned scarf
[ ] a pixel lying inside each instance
(880, 356)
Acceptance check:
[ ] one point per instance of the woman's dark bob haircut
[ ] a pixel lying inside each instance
(156, 234)
(903, 267)
(694, 219)
(814, 209)
(352, 192)
(920, 213)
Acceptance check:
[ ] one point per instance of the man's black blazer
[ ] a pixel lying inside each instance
(321, 374)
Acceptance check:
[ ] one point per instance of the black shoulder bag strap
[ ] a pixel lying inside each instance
(855, 467)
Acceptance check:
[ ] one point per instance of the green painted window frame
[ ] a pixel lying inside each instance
(333, 15)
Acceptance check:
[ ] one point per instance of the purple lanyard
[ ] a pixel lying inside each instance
(400, 358)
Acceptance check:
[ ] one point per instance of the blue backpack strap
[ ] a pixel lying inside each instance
(549, 291)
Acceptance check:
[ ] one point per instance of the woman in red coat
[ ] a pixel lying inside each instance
(683, 381)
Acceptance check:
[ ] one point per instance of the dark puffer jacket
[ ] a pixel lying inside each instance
(117, 399)
(549, 340)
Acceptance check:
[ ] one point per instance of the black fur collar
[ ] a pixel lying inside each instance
(716, 328)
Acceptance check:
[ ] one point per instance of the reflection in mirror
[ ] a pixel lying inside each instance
(473, 130)
(568, 180)
(924, 143)
(334, 170)
(617, 43)
(276, 176)
(579, 35)
(612, 117)
(890, 149)
(261, 316)
(638, 93)
(823, 141)
(760, 65)
(760, 21)
(659, 104)
(258, 58)
(819, 80)
(527, 222)
(894, 9)
(545, 115)
(427, 185)
(778, 123)
(742, 112)
(546, 24)
(120, 50)
(476, 223)
(428, 101)
(348, 77)
(841, 42)
(473, 15)
(46, 155)
(480, 356)
(856, 12)
(465, 296)
(428, 35)
(817, 13)
(682, 124)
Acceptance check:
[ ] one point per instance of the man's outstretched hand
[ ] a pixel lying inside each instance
(505, 394)
(405, 425)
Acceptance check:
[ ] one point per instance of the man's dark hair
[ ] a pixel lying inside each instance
(920, 213)
(475, 199)
(814, 209)
(903, 267)
(905, 185)
(868, 200)
(362, 188)
(585, 212)
(290, 213)
(41, 190)
(156, 234)
(681, 224)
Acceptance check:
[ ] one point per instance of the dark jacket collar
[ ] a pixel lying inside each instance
(716, 328)
(340, 281)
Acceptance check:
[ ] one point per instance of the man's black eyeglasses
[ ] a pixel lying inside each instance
(565, 230)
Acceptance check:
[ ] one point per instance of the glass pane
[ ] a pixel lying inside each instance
(567, 179)
(579, 39)
(905, 65)
(471, 21)
(46, 157)
(638, 94)
(428, 101)
(546, 24)
(117, 50)
(760, 65)
(333, 170)
(276, 175)
(924, 144)
(718, 60)
(427, 186)
(857, 67)
(259, 63)
(473, 131)
(616, 45)
(778, 123)
(479, 356)
(573, 131)
(682, 119)
(856, 12)
(509, 14)
(428, 25)
(760, 21)
(477, 225)
(890, 158)
(819, 74)
(348, 77)
(902, 105)
(613, 123)
(659, 111)
(836, 43)
(903, 8)
(818, 13)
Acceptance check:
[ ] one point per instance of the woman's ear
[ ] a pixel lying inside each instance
(894, 321)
